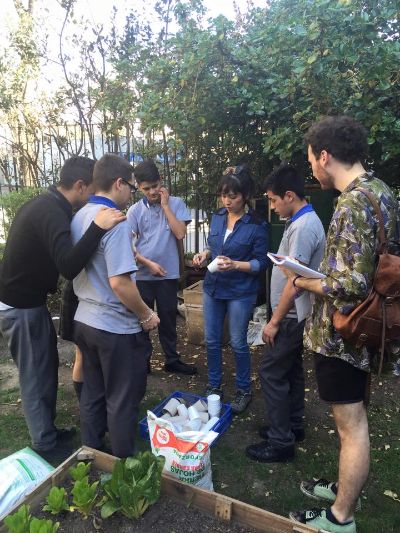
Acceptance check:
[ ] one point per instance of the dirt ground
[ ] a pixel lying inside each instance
(258, 485)
(161, 384)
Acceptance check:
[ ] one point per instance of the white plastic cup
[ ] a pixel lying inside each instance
(200, 405)
(214, 405)
(171, 406)
(165, 416)
(207, 427)
(204, 417)
(183, 411)
(192, 425)
(193, 413)
(180, 420)
(213, 266)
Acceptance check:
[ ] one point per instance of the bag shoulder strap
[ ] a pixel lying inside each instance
(382, 244)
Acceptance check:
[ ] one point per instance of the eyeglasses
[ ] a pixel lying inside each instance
(132, 187)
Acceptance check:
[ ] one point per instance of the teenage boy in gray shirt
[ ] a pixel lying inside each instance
(159, 221)
(281, 370)
(111, 320)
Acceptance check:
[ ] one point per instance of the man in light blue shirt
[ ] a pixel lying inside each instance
(159, 222)
(112, 319)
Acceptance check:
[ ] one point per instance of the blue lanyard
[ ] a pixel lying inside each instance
(103, 201)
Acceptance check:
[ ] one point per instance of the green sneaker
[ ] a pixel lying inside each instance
(321, 489)
(317, 518)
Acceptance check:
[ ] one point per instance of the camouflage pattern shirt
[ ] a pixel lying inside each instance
(348, 263)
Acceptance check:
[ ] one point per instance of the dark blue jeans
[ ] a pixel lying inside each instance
(239, 313)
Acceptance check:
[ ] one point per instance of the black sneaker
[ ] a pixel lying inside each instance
(180, 367)
(299, 434)
(213, 390)
(264, 452)
(241, 401)
(57, 454)
(65, 434)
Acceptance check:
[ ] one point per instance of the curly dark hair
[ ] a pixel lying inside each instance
(341, 136)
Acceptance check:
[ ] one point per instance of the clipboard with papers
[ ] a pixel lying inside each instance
(295, 266)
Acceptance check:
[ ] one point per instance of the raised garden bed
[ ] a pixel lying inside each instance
(182, 508)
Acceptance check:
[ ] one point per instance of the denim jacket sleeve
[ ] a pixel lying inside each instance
(260, 248)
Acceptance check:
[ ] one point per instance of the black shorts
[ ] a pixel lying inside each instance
(339, 381)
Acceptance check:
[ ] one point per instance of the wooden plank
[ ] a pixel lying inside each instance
(61, 471)
(223, 507)
(242, 513)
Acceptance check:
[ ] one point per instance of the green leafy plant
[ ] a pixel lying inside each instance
(80, 471)
(43, 526)
(134, 486)
(12, 202)
(22, 522)
(56, 501)
(19, 521)
(84, 496)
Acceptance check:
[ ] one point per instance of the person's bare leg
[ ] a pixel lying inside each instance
(77, 372)
(352, 425)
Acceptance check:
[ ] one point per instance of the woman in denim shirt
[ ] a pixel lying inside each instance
(240, 241)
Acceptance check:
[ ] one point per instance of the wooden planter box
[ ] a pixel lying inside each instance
(210, 503)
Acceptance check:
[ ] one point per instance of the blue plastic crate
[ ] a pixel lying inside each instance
(220, 427)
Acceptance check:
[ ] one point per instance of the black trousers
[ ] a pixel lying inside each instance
(165, 294)
(115, 370)
(282, 382)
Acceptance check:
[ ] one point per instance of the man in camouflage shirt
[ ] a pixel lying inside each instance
(336, 148)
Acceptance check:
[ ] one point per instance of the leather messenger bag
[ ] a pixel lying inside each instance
(376, 321)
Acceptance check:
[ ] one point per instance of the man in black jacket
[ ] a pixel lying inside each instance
(38, 248)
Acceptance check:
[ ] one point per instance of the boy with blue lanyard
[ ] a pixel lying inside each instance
(281, 370)
(159, 222)
(111, 320)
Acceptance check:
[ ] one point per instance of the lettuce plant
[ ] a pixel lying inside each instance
(135, 484)
(84, 496)
(56, 501)
(43, 526)
(18, 522)
(80, 471)
(22, 522)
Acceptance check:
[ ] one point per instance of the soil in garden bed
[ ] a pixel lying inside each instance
(166, 516)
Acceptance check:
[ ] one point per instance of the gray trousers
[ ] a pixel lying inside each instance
(282, 382)
(32, 341)
(115, 377)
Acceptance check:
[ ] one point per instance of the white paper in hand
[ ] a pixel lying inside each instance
(294, 266)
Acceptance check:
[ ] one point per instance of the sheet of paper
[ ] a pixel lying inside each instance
(294, 266)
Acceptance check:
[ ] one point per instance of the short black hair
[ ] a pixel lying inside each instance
(146, 171)
(341, 136)
(237, 180)
(109, 168)
(285, 178)
(76, 168)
